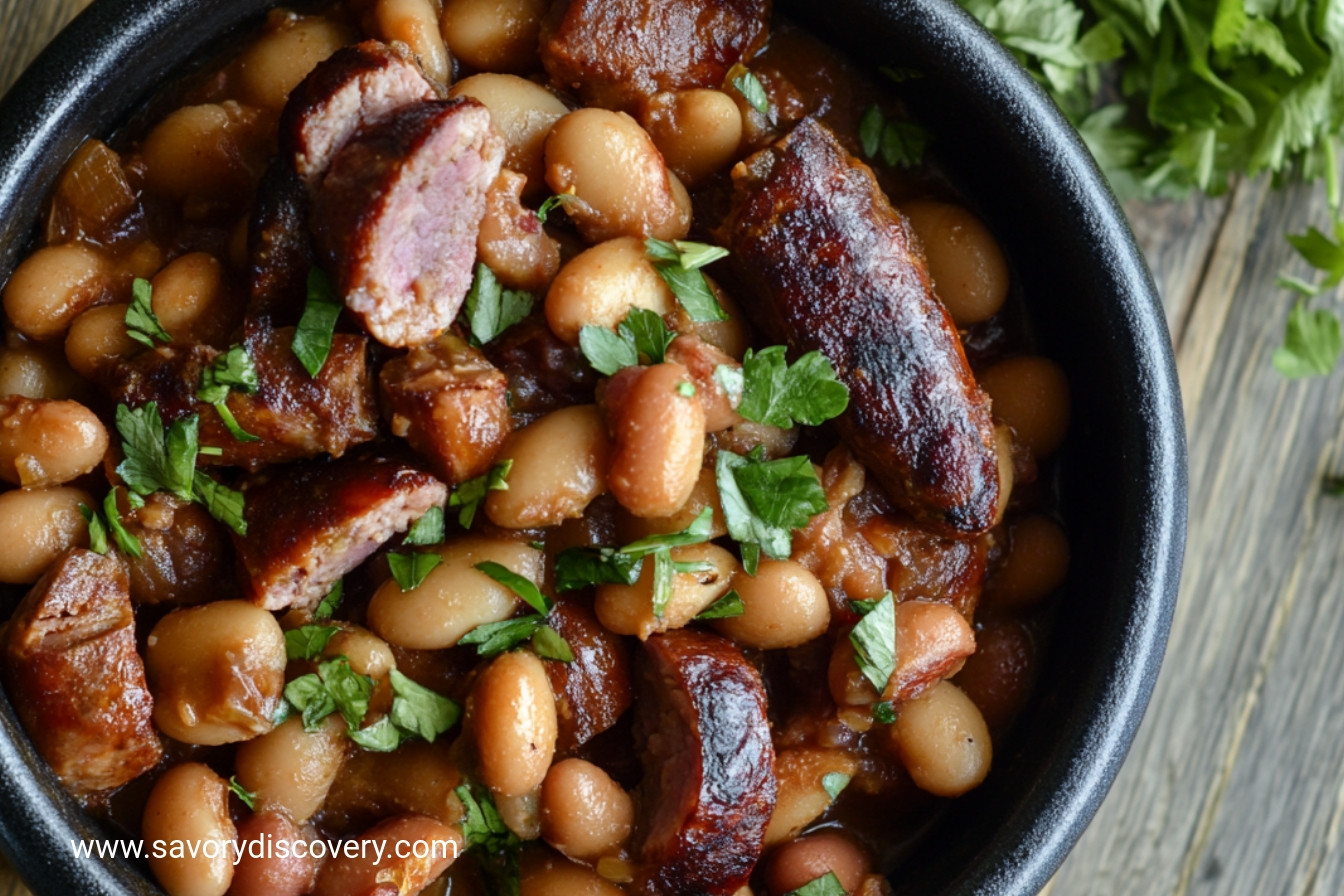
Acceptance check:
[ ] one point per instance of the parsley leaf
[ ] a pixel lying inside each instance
(726, 607)
(419, 711)
(380, 737)
(834, 783)
(248, 798)
(747, 84)
(97, 529)
(577, 568)
(897, 141)
(308, 641)
(155, 460)
(763, 501)
(312, 337)
(469, 495)
(874, 640)
(679, 262)
(884, 713)
(411, 568)
(641, 334)
(551, 204)
(489, 308)
(1311, 343)
(520, 585)
(330, 602)
(492, 638)
(548, 644)
(428, 529)
(308, 694)
(826, 885)
(224, 504)
(232, 371)
(493, 845)
(142, 324)
(779, 394)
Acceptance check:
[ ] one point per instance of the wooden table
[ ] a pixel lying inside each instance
(1236, 782)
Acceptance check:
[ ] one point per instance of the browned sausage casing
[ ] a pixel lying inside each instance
(709, 766)
(619, 52)
(834, 267)
(75, 678)
(592, 691)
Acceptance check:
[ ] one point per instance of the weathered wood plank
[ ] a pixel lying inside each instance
(1223, 792)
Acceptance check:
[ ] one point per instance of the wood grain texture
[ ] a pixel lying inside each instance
(1235, 785)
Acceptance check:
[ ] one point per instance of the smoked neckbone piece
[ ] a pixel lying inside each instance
(832, 266)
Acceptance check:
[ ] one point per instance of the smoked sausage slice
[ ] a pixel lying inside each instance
(75, 678)
(832, 266)
(709, 766)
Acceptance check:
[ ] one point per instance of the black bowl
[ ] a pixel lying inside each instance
(1091, 298)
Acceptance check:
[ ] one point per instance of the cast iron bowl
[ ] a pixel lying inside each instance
(1091, 298)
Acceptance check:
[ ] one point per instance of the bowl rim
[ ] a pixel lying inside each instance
(107, 62)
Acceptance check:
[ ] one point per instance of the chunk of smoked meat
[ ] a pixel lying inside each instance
(545, 373)
(352, 89)
(309, 525)
(450, 404)
(594, 690)
(832, 266)
(396, 217)
(185, 554)
(616, 53)
(293, 415)
(279, 252)
(709, 766)
(75, 678)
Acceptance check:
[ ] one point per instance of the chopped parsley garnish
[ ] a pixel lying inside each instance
(747, 84)
(777, 393)
(469, 495)
(109, 521)
(582, 567)
(641, 336)
(874, 640)
(232, 371)
(897, 142)
(330, 602)
(679, 262)
(308, 641)
(551, 204)
(884, 713)
(522, 586)
(492, 844)
(416, 710)
(158, 459)
(248, 798)
(429, 529)
(496, 637)
(142, 324)
(826, 885)
(490, 309)
(726, 607)
(862, 607)
(410, 569)
(833, 783)
(765, 500)
(312, 337)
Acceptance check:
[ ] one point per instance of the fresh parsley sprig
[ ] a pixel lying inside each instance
(551, 204)
(745, 82)
(142, 324)
(826, 885)
(489, 308)
(777, 393)
(109, 521)
(156, 459)
(641, 337)
(679, 262)
(765, 500)
(233, 371)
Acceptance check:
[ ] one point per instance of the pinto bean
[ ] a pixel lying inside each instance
(584, 813)
(600, 285)
(45, 442)
(38, 525)
(559, 466)
(808, 858)
(290, 769)
(260, 870)
(416, 849)
(942, 739)
(53, 285)
(783, 605)
(629, 610)
(511, 718)
(658, 438)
